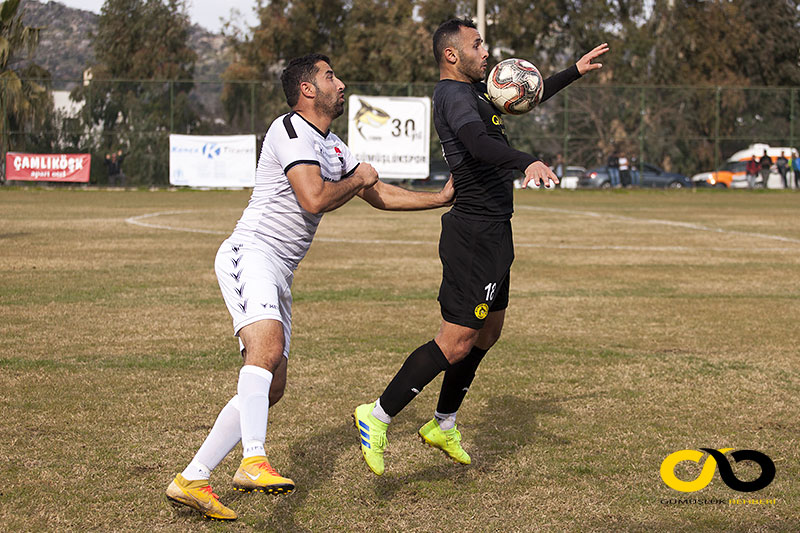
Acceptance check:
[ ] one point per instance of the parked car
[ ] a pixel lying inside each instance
(649, 176)
(732, 174)
(571, 176)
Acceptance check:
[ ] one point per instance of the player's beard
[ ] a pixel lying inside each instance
(474, 70)
(328, 104)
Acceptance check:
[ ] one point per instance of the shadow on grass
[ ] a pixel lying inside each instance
(507, 424)
(312, 460)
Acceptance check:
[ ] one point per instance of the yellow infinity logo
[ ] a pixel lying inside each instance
(716, 459)
(672, 460)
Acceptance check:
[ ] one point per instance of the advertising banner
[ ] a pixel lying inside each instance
(48, 167)
(392, 134)
(212, 161)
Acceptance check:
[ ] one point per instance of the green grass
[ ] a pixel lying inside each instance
(640, 323)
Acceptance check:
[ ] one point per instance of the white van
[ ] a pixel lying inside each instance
(774, 152)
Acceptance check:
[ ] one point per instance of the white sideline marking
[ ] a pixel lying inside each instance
(686, 225)
(139, 221)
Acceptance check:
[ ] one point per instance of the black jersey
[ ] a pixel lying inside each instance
(483, 190)
(476, 148)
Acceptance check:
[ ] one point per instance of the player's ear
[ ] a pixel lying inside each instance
(450, 54)
(307, 89)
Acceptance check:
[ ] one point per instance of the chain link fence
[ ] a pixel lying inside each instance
(681, 129)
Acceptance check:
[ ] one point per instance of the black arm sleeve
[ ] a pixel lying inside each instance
(488, 150)
(558, 81)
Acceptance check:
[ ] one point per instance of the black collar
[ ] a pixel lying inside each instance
(324, 135)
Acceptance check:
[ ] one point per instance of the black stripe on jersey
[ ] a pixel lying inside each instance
(287, 123)
(300, 162)
(351, 172)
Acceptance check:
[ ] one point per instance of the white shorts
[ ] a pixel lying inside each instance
(255, 286)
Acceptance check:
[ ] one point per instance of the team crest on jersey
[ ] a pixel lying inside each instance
(481, 311)
(340, 156)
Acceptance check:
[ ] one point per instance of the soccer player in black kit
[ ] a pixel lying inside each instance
(475, 246)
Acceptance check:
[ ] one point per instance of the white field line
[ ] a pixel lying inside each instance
(685, 225)
(140, 221)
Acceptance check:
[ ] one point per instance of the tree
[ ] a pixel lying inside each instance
(366, 40)
(140, 83)
(24, 100)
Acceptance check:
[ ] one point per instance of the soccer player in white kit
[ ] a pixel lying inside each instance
(304, 170)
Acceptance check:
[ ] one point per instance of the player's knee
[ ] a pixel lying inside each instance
(458, 351)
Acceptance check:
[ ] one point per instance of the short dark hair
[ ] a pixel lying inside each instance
(298, 70)
(443, 36)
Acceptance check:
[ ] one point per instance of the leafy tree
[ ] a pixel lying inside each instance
(24, 100)
(367, 40)
(140, 83)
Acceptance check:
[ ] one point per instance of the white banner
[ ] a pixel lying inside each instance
(212, 161)
(392, 134)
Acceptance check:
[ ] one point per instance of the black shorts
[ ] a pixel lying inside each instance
(476, 259)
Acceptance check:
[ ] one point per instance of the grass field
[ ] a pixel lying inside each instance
(641, 323)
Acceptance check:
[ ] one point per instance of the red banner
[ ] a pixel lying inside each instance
(48, 167)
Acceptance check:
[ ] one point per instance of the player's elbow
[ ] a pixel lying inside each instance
(312, 205)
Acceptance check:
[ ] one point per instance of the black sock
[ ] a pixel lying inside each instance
(420, 368)
(457, 380)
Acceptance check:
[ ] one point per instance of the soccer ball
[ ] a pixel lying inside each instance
(515, 86)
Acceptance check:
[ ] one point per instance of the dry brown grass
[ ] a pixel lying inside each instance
(630, 335)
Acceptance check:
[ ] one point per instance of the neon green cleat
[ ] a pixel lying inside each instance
(255, 473)
(373, 436)
(448, 441)
(199, 496)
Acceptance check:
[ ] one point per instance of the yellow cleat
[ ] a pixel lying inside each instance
(255, 473)
(199, 496)
(372, 433)
(448, 441)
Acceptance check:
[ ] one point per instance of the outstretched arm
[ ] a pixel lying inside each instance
(316, 195)
(392, 198)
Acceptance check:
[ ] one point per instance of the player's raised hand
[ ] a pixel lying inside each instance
(540, 174)
(367, 174)
(585, 64)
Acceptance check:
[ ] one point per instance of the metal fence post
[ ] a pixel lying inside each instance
(642, 113)
(3, 129)
(171, 106)
(566, 129)
(716, 127)
(792, 98)
(253, 107)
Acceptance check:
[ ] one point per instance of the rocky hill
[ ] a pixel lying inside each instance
(65, 47)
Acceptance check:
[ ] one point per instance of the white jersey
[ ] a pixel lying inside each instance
(274, 216)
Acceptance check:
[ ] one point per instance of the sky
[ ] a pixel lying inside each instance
(206, 13)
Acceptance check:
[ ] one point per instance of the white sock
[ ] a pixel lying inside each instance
(195, 471)
(222, 438)
(380, 414)
(446, 420)
(253, 388)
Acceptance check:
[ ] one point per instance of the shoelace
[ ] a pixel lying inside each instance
(454, 436)
(208, 490)
(268, 467)
(378, 440)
